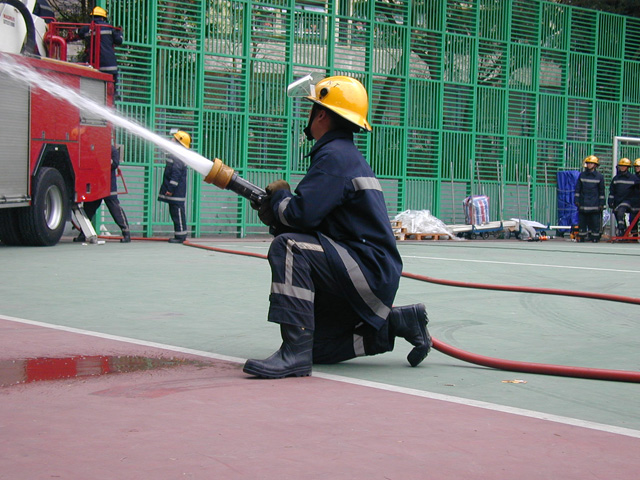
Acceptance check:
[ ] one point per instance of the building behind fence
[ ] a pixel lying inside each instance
(467, 97)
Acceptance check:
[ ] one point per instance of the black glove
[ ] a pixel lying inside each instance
(265, 213)
(256, 205)
(277, 185)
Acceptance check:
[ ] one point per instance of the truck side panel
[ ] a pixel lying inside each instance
(86, 137)
(95, 153)
(14, 142)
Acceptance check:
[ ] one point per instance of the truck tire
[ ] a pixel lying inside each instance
(42, 224)
(9, 227)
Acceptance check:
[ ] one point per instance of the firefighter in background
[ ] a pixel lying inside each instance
(635, 198)
(334, 261)
(109, 38)
(112, 203)
(590, 200)
(623, 186)
(174, 189)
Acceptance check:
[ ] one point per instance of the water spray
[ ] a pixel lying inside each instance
(215, 172)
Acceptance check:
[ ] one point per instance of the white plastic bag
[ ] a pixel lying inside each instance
(421, 221)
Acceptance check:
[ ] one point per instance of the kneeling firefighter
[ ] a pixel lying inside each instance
(334, 262)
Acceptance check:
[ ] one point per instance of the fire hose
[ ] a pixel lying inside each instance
(497, 363)
(224, 177)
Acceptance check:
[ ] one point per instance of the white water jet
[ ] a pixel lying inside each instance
(25, 74)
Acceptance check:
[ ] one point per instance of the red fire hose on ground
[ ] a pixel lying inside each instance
(509, 365)
(527, 367)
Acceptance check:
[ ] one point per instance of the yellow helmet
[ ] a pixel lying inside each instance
(624, 162)
(99, 12)
(592, 159)
(636, 162)
(345, 96)
(183, 138)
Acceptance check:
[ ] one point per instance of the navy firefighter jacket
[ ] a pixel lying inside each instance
(341, 201)
(174, 181)
(623, 188)
(590, 191)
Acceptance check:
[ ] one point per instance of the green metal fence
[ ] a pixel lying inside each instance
(466, 97)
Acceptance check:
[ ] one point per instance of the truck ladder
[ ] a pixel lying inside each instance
(82, 221)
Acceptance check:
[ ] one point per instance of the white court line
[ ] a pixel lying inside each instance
(523, 264)
(354, 381)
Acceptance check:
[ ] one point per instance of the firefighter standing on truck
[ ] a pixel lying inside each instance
(621, 191)
(589, 198)
(109, 38)
(334, 261)
(174, 189)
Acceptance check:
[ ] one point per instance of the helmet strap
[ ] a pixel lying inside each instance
(307, 130)
(312, 116)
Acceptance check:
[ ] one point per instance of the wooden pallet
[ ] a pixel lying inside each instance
(401, 233)
(427, 236)
(398, 230)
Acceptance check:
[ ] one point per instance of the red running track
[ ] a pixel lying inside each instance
(205, 419)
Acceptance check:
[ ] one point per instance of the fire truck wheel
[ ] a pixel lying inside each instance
(9, 228)
(42, 224)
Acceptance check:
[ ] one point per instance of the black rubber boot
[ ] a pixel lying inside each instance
(294, 359)
(126, 237)
(178, 239)
(410, 323)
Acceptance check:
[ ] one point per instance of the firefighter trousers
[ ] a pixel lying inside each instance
(178, 214)
(115, 209)
(305, 293)
(590, 223)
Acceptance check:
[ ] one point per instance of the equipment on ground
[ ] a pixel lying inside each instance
(53, 157)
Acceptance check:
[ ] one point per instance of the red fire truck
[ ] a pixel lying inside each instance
(53, 157)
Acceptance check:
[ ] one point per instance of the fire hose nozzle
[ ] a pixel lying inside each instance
(225, 177)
